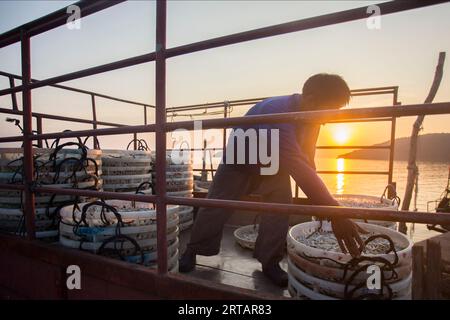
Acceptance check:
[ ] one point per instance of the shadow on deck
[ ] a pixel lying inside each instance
(234, 266)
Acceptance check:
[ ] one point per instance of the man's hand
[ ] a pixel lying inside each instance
(347, 235)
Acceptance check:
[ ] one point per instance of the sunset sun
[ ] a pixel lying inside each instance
(341, 134)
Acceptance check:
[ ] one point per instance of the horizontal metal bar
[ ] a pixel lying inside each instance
(219, 104)
(361, 120)
(322, 116)
(288, 209)
(100, 95)
(353, 147)
(62, 118)
(205, 149)
(11, 139)
(371, 93)
(298, 25)
(352, 172)
(7, 186)
(321, 171)
(392, 88)
(307, 116)
(245, 102)
(97, 194)
(319, 211)
(54, 19)
(96, 132)
(85, 73)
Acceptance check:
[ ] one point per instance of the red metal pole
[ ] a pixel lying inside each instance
(135, 146)
(29, 208)
(145, 114)
(39, 129)
(13, 95)
(392, 145)
(94, 121)
(160, 133)
(224, 131)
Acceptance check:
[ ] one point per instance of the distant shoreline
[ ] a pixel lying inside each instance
(433, 147)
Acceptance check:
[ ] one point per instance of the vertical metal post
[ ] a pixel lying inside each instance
(94, 119)
(160, 133)
(145, 114)
(135, 145)
(392, 145)
(29, 207)
(39, 129)
(13, 95)
(225, 115)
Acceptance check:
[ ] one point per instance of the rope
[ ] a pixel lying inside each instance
(118, 239)
(41, 168)
(141, 144)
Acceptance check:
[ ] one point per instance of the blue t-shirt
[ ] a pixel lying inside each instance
(292, 158)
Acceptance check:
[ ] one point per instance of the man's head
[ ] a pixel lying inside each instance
(325, 91)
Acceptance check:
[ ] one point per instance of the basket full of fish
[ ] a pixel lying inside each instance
(318, 269)
(63, 167)
(119, 229)
(370, 202)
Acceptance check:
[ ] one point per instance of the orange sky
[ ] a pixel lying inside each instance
(403, 52)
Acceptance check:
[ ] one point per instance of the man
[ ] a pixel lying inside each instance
(296, 158)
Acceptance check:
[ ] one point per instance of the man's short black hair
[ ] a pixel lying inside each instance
(327, 90)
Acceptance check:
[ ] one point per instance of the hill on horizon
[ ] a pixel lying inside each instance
(431, 147)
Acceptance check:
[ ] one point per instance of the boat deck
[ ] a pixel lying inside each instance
(233, 266)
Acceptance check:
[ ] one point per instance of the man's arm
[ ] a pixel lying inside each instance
(291, 158)
(296, 161)
(307, 179)
(309, 136)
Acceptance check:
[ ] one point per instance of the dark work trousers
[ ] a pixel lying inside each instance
(231, 183)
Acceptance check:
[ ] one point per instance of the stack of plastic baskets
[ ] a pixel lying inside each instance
(123, 230)
(317, 269)
(179, 182)
(127, 171)
(59, 167)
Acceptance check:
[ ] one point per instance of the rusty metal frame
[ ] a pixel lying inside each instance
(58, 18)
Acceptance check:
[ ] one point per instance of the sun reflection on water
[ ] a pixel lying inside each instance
(340, 166)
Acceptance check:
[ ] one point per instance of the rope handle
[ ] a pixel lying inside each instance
(137, 247)
(141, 144)
(138, 191)
(395, 198)
(55, 143)
(104, 206)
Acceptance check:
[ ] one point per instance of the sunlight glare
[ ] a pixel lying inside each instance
(340, 164)
(341, 134)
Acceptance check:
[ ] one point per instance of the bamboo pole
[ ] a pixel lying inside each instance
(413, 170)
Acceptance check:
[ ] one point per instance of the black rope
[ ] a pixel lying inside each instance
(141, 144)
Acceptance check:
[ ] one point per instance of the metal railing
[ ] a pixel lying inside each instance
(160, 127)
(186, 111)
(40, 116)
